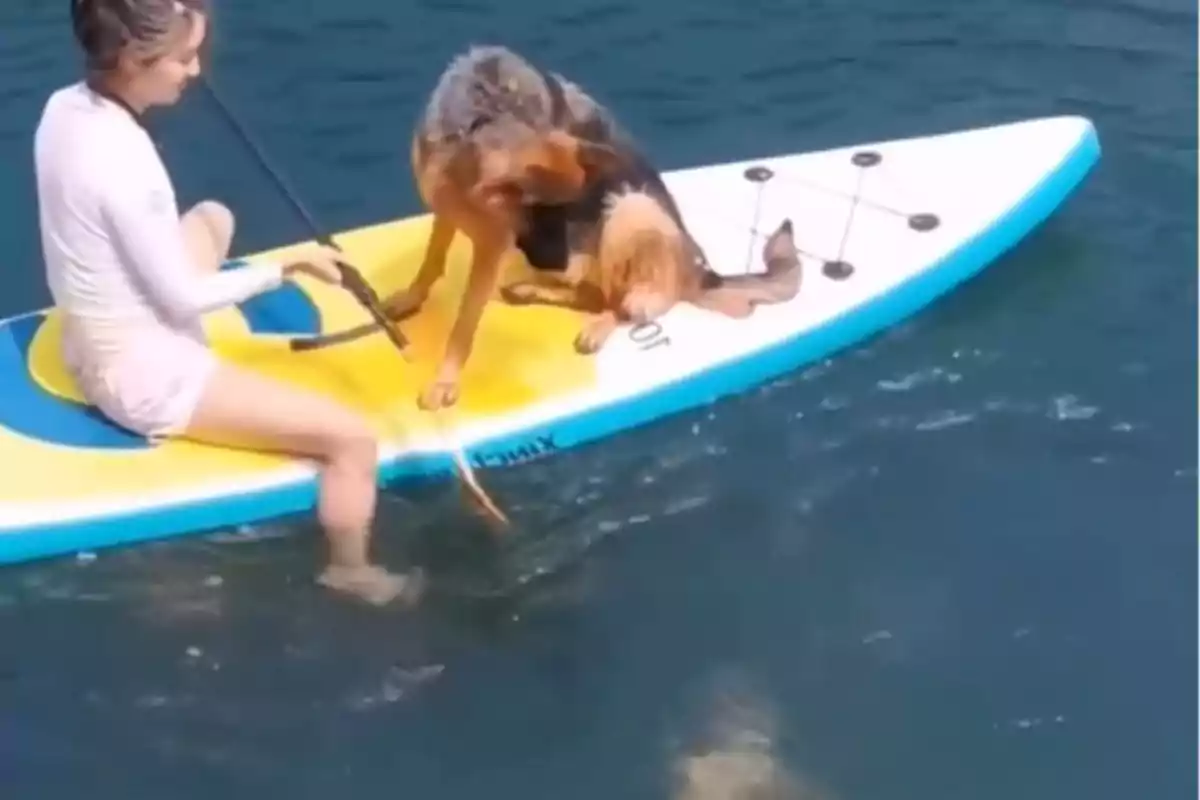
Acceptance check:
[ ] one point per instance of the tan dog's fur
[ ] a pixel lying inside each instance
(500, 143)
(474, 178)
(641, 262)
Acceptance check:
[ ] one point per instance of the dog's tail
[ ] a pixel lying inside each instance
(778, 284)
(640, 254)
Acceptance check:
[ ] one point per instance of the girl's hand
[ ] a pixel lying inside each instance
(320, 262)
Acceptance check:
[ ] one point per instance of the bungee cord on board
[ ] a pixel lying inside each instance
(836, 268)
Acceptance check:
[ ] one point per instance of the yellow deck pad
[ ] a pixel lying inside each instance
(522, 355)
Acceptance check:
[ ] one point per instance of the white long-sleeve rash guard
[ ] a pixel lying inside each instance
(116, 260)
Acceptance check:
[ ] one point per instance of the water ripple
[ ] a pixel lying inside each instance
(456, 7)
(587, 17)
(219, 660)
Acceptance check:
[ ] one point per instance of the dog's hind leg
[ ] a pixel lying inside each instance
(584, 298)
(538, 292)
(408, 301)
(489, 247)
(566, 288)
(580, 298)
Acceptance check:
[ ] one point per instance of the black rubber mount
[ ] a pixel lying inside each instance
(837, 270)
(866, 158)
(923, 222)
(758, 174)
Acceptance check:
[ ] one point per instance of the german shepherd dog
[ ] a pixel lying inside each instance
(514, 156)
(490, 141)
(622, 251)
(624, 254)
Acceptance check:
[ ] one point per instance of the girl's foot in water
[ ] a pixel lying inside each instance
(374, 584)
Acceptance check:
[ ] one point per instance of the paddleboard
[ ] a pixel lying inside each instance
(883, 229)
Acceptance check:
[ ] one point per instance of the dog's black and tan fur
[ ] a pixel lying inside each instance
(623, 252)
(514, 156)
(491, 140)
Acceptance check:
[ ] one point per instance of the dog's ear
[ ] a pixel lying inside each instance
(559, 167)
(544, 184)
(533, 184)
(554, 168)
(567, 153)
(779, 251)
(496, 187)
(597, 159)
(781, 244)
(547, 169)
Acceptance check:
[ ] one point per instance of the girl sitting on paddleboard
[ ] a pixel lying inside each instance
(131, 279)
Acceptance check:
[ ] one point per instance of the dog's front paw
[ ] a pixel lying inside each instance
(437, 395)
(404, 303)
(519, 294)
(585, 344)
(595, 334)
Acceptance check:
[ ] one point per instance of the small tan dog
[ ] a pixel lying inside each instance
(621, 251)
(639, 261)
(515, 157)
(492, 139)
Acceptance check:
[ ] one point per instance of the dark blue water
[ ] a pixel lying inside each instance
(956, 562)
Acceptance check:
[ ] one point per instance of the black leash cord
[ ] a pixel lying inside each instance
(352, 279)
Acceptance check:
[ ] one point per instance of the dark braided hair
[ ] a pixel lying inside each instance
(104, 28)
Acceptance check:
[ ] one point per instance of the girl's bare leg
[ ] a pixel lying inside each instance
(242, 409)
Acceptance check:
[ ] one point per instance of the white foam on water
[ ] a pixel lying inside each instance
(396, 684)
(1068, 407)
(945, 419)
